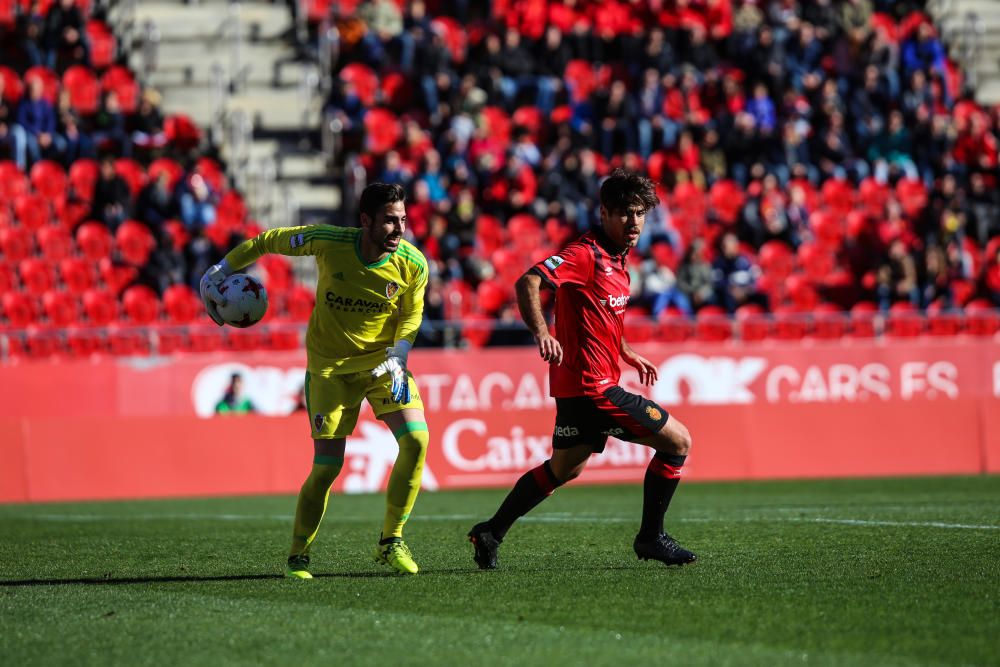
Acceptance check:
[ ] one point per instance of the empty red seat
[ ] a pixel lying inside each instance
(94, 240)
(120, 80)
(206, 338)
(15, 243)
(132, 172)
(48, 178)
(101, 307)
(245, 340)
(300, 303)
(752, 323)
(13, 182)
(43, 343)
(171, 339)
(904, 321)
(182, 304)
(102, 44)
(829, 322)
(944, 323)
(790, 323)
(712, 324)
(78, 274)
(674, 326)
(364, 80)
(116, 275)
(19, 308)
(55, 243)
(8, 277)
(32, 210)
(211, 172)
(171, 168)
(126, 341)
(382, 131)
(776, 259)
(82, 177)
(182, 132)
(61, 308)
(982, 318)
(37, 276)
(84, 89)
(284, 338)
(13, 89)
(84, 341)
(134, 242)
(142, 305)
(863, 318)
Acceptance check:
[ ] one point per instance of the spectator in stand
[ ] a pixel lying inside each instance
(991, 277)
(660, 289)
(234, 401)
(732, 274)
(922, 51)
(30, 32)
(517, 66)
(197, 202)
(694, 277)
(37, 116)
(109, 127)
(12, 135)
(984, 205)
(147, 122)
(897, 277)
(155, 203)
(761, 107)
(73, 142)
(552, 57)
(384, 23)
(935, 278)
(64, 35)
(112, 201)
(891, 149)
(617, 116)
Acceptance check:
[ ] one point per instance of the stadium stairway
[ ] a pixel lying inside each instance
(194, 53)
(955, 18)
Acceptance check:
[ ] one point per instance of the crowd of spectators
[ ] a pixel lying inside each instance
(839, 129)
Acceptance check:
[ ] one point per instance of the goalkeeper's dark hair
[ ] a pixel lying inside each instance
(623, 189)
(377, 195)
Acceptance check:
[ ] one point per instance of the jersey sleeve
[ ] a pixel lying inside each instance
(292, 241)
(573, 265)
(411, 303)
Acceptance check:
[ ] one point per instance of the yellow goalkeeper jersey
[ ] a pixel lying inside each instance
(361, 309)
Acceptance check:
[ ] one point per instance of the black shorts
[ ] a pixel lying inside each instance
(590, 420)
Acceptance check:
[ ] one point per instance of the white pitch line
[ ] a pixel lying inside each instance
(542, 518)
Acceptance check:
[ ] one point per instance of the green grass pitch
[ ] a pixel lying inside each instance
(860, 572)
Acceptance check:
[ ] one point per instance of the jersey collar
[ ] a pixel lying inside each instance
(608, 245)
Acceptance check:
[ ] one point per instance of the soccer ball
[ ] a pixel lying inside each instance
(246, 300)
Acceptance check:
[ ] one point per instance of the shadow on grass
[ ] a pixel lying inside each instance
(123, 581)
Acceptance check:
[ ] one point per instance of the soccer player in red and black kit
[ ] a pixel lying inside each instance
(592, 289)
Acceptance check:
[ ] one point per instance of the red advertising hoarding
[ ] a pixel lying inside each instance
(117, 428)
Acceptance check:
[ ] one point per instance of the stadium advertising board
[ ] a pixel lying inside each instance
(137, 428)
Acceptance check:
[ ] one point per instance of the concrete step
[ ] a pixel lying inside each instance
(988, 92)
(268, 107)
(181, 64)
(179, 22)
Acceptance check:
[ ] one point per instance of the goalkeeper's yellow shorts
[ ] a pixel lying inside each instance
(334, 402)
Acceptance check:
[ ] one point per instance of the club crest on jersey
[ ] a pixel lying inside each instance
(298, 240)
(653, 413)
(318, 421)
(553, 262)
(391, 288)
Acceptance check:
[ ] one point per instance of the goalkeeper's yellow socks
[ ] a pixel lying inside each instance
(404, 482)
(312, 502)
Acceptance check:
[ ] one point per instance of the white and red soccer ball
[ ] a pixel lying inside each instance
(246, 300)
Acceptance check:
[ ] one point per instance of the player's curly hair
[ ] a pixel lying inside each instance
(623, 189)
(377, 195)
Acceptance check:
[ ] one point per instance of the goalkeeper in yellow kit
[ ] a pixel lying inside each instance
(369, 303)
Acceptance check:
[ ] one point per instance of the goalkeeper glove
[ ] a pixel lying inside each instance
(209, 288)
(395, 365)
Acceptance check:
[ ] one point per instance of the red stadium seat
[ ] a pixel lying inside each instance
(478, 329)
(84, 89)
(726, 199)
(211, 172)
(82, 177)
(790, 323)
(8, 278)
(206, 338)
(77, 274)
(284, 338)
(50, 82)
(171, 340)
(132, 172)
(43, 343)
(382, 131)
(61, 308)
(19, 309)
(173, 170)
(829, 322)
(83, 342)
(13, 182)
(120, 80)
(36, 275)
(752, 323)
(134, 241)
(300, 303)
(182, 304)
(838, 195)
(13, 89)
(245, 340)
(182, 132)
(982, 318)
(912, 196)
(142, 306)
(904, 321)
(116, 275)
(863, 318)
(55, 243)
(776, 259)
(364, 79)
(712, 324)
(32, 210)
(15, 243)
(48, 178)
(674, 326)
(94, 240)
(828, 226)
(817, 261)
(102, 44)
(126, 341)
(944, 323)
(101, 307)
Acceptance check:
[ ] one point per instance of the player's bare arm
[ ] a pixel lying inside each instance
(647, 370)
(529, 302)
